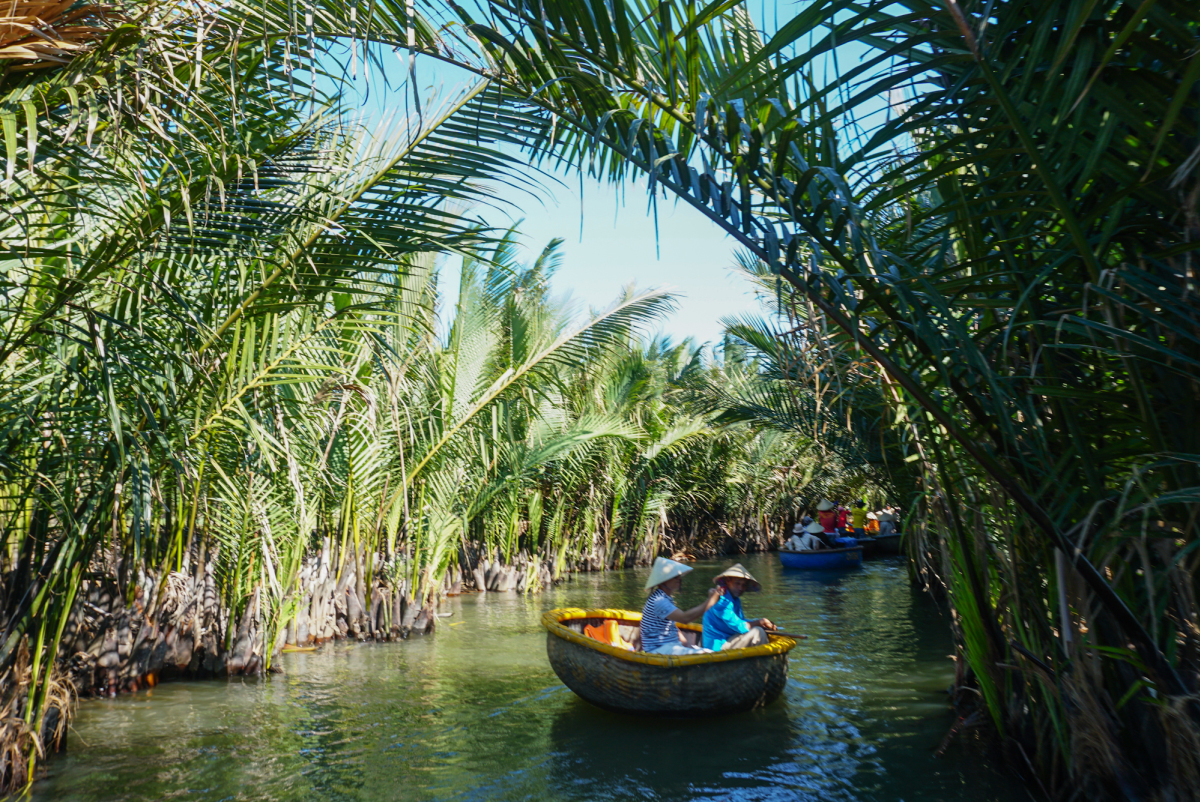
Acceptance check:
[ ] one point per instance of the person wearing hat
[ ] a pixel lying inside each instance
(827, 516)
(659, 615)
(843, 520)
(805, 537)
(858, 518)
(724, 625)
(872, 524)
(887, 523)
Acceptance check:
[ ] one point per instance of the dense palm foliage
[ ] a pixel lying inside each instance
(226, 390)
(1004, 247)
(984, 214)
(199, 275)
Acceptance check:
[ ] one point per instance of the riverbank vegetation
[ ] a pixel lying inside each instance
(998, 265)
(978, 220)
(233, 417)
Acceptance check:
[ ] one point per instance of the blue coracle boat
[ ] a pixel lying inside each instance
(823, 559)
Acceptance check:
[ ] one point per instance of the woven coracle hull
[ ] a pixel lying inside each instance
(650, 684)
(823, 559)
(888, 544)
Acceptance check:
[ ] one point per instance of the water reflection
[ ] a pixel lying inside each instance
(608, 756)
(474, 713)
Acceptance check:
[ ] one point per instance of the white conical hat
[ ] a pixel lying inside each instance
(664, 569)
(814, 528)
(825, 505)
(885, 516)
(797, 529)
(872, 516)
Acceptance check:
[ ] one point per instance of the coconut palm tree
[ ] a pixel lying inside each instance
(1006, 238)
(993, 204)
(198, 275)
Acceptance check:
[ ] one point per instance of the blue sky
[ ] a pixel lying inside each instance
(610, 242)
(608, 231)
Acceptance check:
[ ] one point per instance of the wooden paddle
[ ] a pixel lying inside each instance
(787, 634)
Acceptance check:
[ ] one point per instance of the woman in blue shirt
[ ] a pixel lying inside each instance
(724, 625)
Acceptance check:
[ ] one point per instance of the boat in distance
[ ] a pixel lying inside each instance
(823, 559)
(869, 546)
(889, 544)
(617, 678)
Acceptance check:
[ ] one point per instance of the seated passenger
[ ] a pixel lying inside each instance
(659, 616)
(827, 516)
(793, 542)
(724, 625)
(858, 518)
(805, 538)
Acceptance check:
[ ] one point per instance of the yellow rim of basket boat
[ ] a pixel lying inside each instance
(553, 620)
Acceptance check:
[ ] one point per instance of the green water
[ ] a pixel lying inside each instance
(475, 713)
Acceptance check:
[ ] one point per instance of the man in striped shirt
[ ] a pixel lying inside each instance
(659, 616)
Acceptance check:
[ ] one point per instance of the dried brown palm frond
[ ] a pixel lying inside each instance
(42, 33)
(21, 741)
(16, 737)
(1182, 740)
(1097, 758)
(57, 711)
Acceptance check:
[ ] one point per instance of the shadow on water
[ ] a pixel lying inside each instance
(604, 755)
(475, 713)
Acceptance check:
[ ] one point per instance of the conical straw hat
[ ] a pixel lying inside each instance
(664, 569)
(885, 516)
(872, 516)
(797, 529)
(741, 573)
(825, 505)
(814, 528)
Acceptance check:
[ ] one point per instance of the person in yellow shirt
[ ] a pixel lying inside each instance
(858, 518)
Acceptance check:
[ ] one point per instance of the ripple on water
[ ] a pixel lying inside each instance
(475, 713)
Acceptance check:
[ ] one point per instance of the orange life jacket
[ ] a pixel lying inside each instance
(609, 633)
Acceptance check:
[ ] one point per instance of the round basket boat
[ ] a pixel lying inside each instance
(888, 544)
(822, 559)
(625, 681)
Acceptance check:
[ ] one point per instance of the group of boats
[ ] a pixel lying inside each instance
(847, 557)
(622, 680)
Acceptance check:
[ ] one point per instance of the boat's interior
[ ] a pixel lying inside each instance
(630, 632)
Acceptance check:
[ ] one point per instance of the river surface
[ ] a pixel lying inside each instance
(474, 712)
